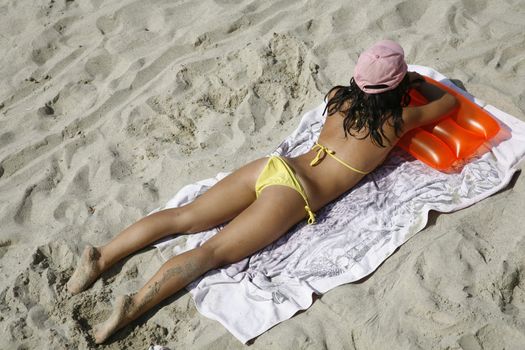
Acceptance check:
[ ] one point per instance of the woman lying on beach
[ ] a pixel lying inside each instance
(265, 198)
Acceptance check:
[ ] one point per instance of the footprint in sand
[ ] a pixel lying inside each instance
(107, 24)
(119, 169)
(45, 46)
(35, 291)
(404, 14)
(6, 138)
(101, 65)
(73, 212)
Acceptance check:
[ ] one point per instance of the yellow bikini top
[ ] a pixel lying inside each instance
(322, 151)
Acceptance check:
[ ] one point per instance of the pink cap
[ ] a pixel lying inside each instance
(382, 64)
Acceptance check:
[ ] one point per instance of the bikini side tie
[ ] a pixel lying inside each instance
(311, 216)
(321, 153)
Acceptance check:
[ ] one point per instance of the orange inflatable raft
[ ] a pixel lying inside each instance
(453, 138)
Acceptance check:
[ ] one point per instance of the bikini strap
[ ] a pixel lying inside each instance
(323, 150)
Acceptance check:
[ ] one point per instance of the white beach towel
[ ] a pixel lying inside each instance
(354, 234)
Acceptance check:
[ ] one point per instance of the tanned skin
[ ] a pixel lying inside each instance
(255, 222)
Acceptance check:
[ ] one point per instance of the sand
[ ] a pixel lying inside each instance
(107, 108)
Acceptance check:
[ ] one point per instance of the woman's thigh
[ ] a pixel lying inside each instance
(223, 201)
(276, 210)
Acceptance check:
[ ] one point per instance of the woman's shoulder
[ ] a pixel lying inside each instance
(337, 96)
(332, 92)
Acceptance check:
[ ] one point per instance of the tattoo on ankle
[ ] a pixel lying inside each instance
(186, 271)
(153, 290)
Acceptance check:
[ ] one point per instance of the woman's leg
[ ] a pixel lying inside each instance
(219, 204)
(268, 218)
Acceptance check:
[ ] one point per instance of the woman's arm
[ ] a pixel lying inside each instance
(440, 102)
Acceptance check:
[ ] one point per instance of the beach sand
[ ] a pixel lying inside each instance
(107, 108)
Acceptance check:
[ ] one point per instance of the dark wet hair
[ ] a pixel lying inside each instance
(370, 111)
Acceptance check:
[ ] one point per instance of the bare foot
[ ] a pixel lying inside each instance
(120, 317)
(87, 271)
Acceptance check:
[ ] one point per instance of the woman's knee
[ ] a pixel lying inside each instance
(217, 256)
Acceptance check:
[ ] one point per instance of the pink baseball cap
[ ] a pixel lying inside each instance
(381, 67)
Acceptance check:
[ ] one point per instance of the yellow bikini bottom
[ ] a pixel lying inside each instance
(277, 172)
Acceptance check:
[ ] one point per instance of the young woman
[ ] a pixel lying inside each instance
(268, 196)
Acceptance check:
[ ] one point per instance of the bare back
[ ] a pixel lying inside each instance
(329, 179)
